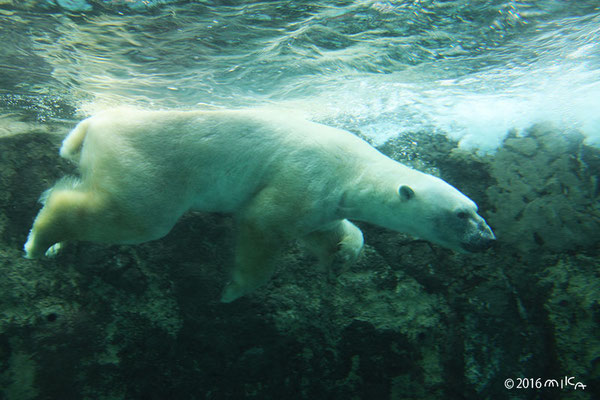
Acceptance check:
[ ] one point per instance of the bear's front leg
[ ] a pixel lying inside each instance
(263, 229)
(336, 246)
(255, 254)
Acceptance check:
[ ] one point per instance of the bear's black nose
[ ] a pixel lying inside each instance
(479, 245)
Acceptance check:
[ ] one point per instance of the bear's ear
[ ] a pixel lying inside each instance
(406, 193)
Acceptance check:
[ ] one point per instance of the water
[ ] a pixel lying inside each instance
(470, 70)
(409, 319)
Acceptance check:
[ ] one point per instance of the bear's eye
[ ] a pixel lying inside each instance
(462, 215)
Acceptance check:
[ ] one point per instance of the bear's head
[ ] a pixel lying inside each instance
(431, 209)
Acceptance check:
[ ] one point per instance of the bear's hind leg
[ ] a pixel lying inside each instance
(57, 221)
(72, 212)
(75, 214)
(336, 247)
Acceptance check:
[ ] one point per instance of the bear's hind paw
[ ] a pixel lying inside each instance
(54, 250)
(32, 250)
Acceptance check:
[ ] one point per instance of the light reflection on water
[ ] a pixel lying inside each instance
(471, 70)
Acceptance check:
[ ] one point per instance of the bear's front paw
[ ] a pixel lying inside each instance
(348, 251)
(351, 244)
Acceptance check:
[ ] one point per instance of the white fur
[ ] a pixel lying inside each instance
(283, 178)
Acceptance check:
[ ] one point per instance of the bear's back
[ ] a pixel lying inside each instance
(214, 160)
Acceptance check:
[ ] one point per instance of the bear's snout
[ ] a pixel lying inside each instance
(481, 241)
(479, 245)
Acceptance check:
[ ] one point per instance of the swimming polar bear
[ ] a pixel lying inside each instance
(283, 177)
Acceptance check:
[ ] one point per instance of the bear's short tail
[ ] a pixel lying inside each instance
(71, 146)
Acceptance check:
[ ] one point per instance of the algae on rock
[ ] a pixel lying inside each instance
(409, 320)
(573, 308)
(546, 196)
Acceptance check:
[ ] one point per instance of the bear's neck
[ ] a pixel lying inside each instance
(373, 191)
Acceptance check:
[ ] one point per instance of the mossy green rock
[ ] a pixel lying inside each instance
(408, 321)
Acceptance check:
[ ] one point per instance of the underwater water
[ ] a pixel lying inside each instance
(501, 98)
(471, 70)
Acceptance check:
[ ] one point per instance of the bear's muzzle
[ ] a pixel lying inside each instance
(481, 241)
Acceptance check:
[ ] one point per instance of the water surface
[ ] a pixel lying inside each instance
(468, 69)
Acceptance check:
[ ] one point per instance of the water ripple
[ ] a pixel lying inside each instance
(382, 67)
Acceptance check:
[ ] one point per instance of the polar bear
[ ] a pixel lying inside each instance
(282, 177)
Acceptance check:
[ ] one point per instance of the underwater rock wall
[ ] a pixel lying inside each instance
(548, 179)
(409, 321)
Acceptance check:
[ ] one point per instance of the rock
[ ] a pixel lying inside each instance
(573, 308)
(409, 320)
(543, 198)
